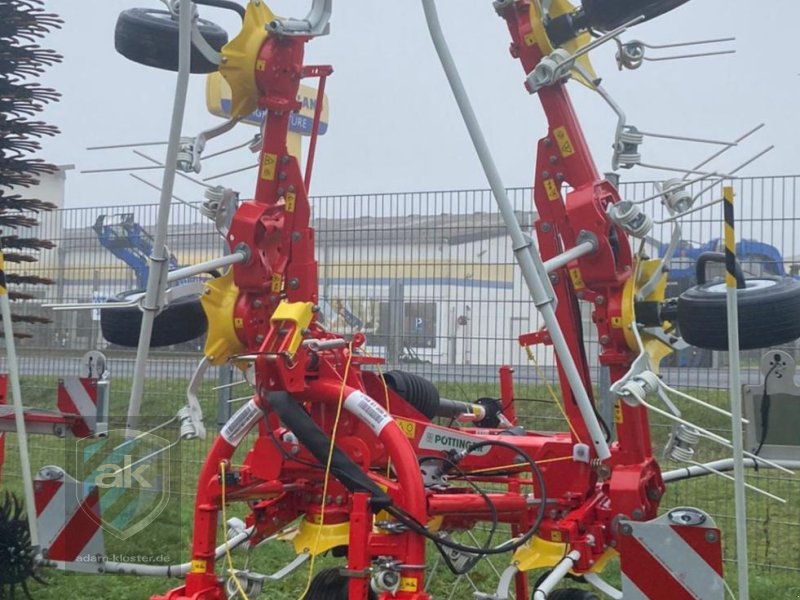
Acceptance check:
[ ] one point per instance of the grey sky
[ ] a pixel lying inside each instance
(394, 125)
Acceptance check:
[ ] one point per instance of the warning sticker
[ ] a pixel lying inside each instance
(409, 584)
(577, 280)
(551, 189)
(408, 427)
(564, 143)
(268, 166)
(277, 282)
(199, 566)
(439, 438)
(291, 200)
(241, 423)
(618, 415)
(368, 411)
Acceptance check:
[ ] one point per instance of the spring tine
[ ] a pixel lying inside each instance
(682, 56)
(684, 44)
(724, 150)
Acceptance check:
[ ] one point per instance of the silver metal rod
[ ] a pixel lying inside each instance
(155, 187)
(679, 170)
(747, 485)
(724, 150)
(230, 172)
(19, 412)
(723, 464)
(178, 173)
(204, 267)
(121, 169)
(686, 183)
(231, 149)
(694, 55)
(119, 568)
(527, 256)
(159, 261)
(115, 146)
(556, 575)
(683, 138)
(735, 391)
(568, 256)
(736, 170)
(684, 44)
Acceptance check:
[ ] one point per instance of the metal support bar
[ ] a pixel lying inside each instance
(568, 256)
(528, 257)
(556, 575)
(157, 279)
(205, 267)
(721, 465)
(736, 396)
(19, 414)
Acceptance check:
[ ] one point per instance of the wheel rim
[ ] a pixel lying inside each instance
(750, 284)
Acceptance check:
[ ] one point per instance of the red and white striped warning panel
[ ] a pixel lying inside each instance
(677, 556)
(68, 517)
(79, 396)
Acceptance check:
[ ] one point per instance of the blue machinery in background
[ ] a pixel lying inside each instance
(756, 258)
(125, 239)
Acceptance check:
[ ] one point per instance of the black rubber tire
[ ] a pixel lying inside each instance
(329, 584)
(150, 37)
(417, 391)
(572, 594)
(769, 314)
(182, 321)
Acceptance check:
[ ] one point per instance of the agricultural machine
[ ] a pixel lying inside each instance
(354, 462)
(129, 242)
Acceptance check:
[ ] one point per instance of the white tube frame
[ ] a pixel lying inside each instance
(19, 416)
(157, 278)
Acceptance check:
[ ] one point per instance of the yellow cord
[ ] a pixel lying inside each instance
(517, 465)
(388, 410)
(328, 471)
(231, 570)
(543, 377)
(388, 406)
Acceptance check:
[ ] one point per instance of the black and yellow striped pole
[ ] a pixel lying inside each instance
(16, 396)
(735, 387)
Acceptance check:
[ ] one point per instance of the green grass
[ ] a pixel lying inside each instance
(774, 531)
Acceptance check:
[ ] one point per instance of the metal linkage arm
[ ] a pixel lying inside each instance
(531, 265)
(316, 22)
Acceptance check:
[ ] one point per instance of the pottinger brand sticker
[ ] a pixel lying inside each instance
(241, 423)
(368, 411)
(435, 438)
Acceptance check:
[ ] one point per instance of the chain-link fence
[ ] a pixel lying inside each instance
(431, 279)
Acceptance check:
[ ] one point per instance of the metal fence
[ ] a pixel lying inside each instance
(430, 278)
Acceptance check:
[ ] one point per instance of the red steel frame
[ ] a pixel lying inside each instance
(275, 226)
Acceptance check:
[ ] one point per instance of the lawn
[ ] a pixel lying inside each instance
(774, 532)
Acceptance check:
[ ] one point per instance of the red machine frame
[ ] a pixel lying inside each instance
(277, 477)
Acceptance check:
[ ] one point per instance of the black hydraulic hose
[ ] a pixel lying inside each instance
(417, 527)
(312, 437)
(717, 257)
